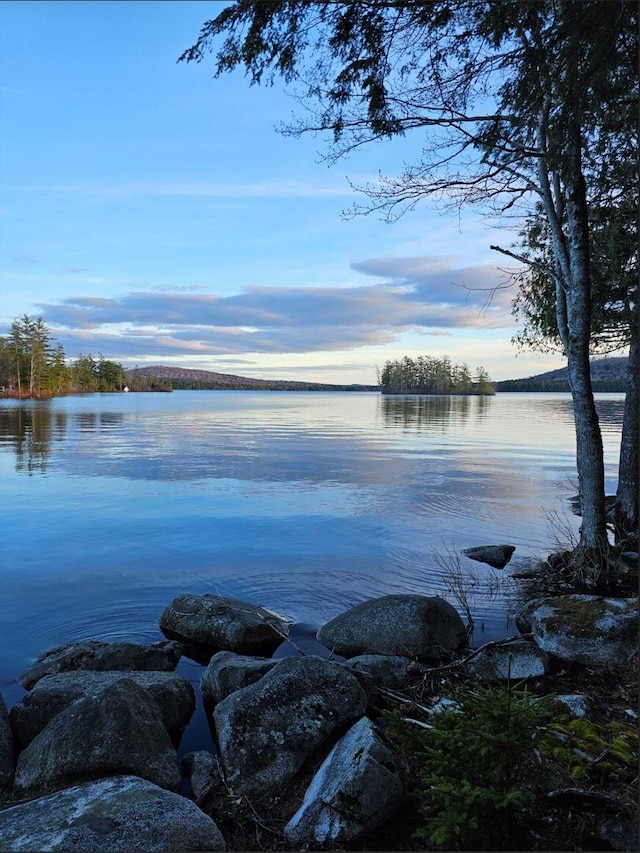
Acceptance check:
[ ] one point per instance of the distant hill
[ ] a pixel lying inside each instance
(182, 378)
(607, 374)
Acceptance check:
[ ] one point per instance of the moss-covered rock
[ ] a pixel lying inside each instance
(586, 629)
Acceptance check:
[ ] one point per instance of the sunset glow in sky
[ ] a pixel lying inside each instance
(155, 215)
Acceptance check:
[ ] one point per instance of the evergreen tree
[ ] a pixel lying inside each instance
(429, 375)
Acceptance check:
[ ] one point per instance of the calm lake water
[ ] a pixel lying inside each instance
(305, 503)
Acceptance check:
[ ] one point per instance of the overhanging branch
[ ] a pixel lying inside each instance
(523, 260)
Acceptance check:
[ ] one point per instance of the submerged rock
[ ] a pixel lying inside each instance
(413, 626)
(267, 730)
(496, 556)
(511, 659)
(586, 629)
(228, 672)
(96, 655)
(223, 624)
(53, 693)
(356, 789)
(116, 731)
(6, 748)
(122, 813)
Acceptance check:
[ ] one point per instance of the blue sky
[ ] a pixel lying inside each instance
(154, 215)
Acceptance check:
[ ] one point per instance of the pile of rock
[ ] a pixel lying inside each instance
(92, 745)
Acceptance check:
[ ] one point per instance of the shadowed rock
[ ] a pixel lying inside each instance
(413, 626)
(511, 659)
(392, 672)
(493, 555)
(356, 789)
(223, 623)
(267, 730)
(228, 672)
(6, 748)
(53, 693)
(118, 814)
(116, 731)
(95, 655)
(203, 772)
(577, 704)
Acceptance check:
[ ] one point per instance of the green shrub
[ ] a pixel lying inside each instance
(475, 767)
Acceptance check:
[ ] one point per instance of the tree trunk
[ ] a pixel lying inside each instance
(589, 452)
(589, 455)
(627, 493)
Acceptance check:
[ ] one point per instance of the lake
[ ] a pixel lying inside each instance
(304, 503)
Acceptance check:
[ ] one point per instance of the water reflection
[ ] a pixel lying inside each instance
(29, 431)
(32, 431)
(276, 438)
(425, 412)
(303, 503)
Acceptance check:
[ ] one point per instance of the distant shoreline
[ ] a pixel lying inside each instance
(556, 388)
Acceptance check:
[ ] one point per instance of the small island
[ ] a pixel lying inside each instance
(430, 375)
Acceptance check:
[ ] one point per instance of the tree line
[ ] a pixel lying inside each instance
(33, 364)
(429, 375)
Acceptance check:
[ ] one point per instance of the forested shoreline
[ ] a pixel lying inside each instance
(34, 364)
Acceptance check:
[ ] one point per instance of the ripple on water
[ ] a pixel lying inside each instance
(306, 504)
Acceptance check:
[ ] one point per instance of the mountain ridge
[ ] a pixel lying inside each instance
(607, 374)
(183, 378)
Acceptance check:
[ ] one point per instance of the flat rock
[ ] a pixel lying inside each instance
(96, 655)
(586, 629)
(267, 730)
(228, 672)
(219, 623)
(116, 731)
(53, 693)
(6, 748)
(357, 788)
(413, 626)
(122, 813)
(516, 659)
(493, 555)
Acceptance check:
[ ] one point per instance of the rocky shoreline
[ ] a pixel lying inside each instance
(88, 755)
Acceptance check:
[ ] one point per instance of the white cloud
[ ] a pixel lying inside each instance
(426, 294)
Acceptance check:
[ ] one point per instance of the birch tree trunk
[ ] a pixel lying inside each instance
(565, 205)
(589, 451)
